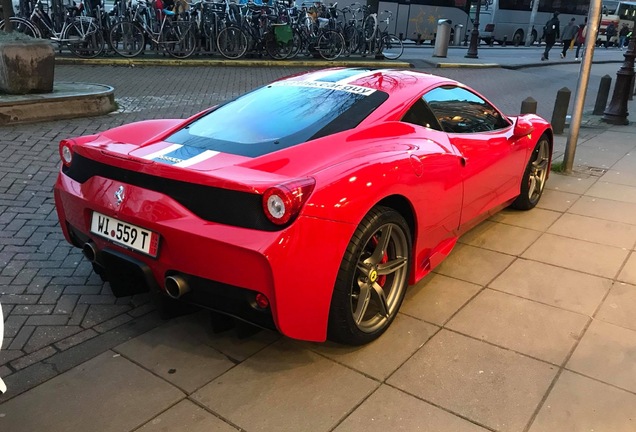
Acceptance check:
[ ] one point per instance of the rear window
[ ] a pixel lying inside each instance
(278, 116)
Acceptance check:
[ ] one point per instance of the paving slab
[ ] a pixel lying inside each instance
(437, 297)
(628, 273)
(531, 328)
(605, 209)
(619, 307)
(473, 264)
(286, 387)
(389, 409)
(538, 219)
(186, 416)
(382, 357)
(121, 397)
(489, 386)
(613, 191)
(580, 404)
(595, 230)
(592, 258)
(607, 353)
(557, 200)
(556, 286)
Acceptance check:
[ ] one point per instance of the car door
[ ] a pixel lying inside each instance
(493, 161)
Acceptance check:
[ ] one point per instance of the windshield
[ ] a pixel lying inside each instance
(279, 116)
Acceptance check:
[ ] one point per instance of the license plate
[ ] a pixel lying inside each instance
(125, 234)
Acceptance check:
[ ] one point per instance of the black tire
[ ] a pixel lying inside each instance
(534, 177)
(392, 47)
(373, 267)
(180, 39)
(517, 38)
(232, 42)
(330, 45)
(84, 38)
(370, 27)
(127, 39)
(21, 25)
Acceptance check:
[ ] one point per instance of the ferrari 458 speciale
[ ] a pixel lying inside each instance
(307, 205)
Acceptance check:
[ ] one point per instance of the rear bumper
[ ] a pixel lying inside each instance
(226, 266)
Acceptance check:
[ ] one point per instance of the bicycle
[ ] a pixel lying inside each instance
(80, 33)
(128, 37)
(384, 43)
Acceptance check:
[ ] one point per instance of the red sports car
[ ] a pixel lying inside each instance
(307, 205)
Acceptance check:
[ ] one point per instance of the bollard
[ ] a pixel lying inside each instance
(632, 90)
(560, 110)
(528, 106)
(505, 41)
(603, 94)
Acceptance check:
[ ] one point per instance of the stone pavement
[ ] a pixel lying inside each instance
(529, 325)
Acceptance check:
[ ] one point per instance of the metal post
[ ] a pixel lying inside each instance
(474, 34)
(560, 110)
(616, 112)
(602, 95)
(581, 87)
(528, 106)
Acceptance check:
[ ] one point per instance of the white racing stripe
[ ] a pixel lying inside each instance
(162, 152)
(198, 158)
(327, 85)
(362, 74)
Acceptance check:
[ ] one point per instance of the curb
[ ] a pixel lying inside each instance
(133, 62)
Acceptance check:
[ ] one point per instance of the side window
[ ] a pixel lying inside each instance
(461, 111)
(420, 114)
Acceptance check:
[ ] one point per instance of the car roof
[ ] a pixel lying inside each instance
(395, 82)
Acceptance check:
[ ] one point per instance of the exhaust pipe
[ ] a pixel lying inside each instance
(176, 286)
(90, 251)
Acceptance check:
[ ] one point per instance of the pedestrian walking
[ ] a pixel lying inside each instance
(610, 31)
(568, 35)
(580, 39)
(622, 35)
(551, 32)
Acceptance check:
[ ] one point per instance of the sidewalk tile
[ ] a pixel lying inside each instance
(186, 416)
(437, 297)
(536, 219)
(622, 177)
(286, 388)
(405, 336)
(499, 237)
(574, 183)
(628, 274)
(540, 331)
(556, 286)
(579, 404)
(179, 353)
(556, 200)
(485, 384)
(607, 353)
(605, 209)
(596, 259)
(613, 191)
(598, 157)
(595, 230)
(116, 399)
(473, 264)
(388, 409)
(619, 307)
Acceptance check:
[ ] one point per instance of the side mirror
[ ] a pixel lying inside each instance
(523, 127)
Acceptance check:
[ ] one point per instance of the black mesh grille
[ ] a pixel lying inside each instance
(210, 203)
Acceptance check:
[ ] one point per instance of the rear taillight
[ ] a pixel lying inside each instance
(66, 151)
(283, 202)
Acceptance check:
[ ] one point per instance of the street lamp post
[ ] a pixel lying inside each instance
(616, 112)
(474, 34)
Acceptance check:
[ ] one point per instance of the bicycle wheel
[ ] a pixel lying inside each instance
(232, 42)
(279, 46)
(20, 25)
(127, 39)
(179, 39)
(84, 38)
(297, 44)
(392, 47)
(330, 45)
(370, 27)
(352, 39)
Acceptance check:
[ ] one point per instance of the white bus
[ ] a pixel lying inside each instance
(507, 20)
(618, 13)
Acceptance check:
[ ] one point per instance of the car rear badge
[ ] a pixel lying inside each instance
(119, 195)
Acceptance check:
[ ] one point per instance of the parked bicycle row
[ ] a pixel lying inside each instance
(281, 29)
